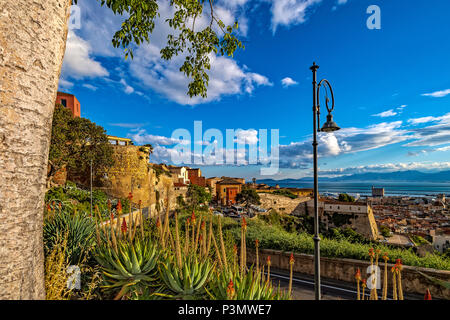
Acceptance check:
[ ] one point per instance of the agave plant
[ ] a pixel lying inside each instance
(132, 267)
(79, 230)
(187, 281)
(231, 285)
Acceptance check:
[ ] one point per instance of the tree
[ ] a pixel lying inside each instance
(197, 195)
(75, 143)
(248, 196)
(32, 44)
(346, 198)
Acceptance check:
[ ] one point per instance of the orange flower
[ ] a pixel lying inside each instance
(60, 206)
(119, 207)
(268, 260)
(364, 283)
(158, 223)
(124, 226)
(203, 226)
(428, 295)
(230, 289)
(244, 224)
(112, 216)
(257, 243)
(393, 269)
(235, 249)
(48, 207)
(193, 217)
(130, 196)
(358, 275)
(140, 203)
(371, 253)
(291, 259)
(200, 238)
(385, 257)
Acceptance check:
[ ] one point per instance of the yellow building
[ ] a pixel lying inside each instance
(227, 190)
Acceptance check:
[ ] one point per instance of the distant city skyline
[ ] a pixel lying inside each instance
(391, 85)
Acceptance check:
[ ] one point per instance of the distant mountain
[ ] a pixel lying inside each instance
(398, 176)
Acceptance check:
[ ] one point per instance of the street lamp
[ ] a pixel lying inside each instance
(329, 126)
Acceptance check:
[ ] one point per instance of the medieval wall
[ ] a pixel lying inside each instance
(282, 204)
(132, 172)
(358, 217)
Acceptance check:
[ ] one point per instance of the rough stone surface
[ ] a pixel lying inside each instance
(32, 43)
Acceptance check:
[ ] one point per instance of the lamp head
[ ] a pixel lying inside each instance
(330, 125)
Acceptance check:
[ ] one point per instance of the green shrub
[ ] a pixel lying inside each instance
(79, 230)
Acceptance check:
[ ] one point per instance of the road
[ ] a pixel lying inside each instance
(303, 287)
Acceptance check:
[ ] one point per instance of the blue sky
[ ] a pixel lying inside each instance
(392, 86)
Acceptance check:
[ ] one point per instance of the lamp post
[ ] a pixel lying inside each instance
(329, 126)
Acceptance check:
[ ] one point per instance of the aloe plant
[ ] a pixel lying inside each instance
(187, 281)
(231, 285)
(132, 268)
(79, 230)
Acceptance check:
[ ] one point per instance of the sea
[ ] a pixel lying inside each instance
(411, 189)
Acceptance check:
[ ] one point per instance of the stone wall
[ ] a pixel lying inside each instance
(282, 204)
(356, 216)
(132, 172)
(345, 270)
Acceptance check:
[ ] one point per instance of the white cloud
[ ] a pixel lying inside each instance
(290, 12)
(437, 94)
(90, 86)
(249, 136)
(142, 137)
(64, 84)
(78, 62)
(385, 114)
(287, 82)
(126, 88)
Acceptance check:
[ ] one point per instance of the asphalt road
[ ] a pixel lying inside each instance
(303, 287)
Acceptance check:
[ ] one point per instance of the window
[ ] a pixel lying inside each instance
(64, 102)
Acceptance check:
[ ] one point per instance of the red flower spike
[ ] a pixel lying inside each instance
(257, 243)
(200, 238)
(235, 248)
(48, 207)
(193, 216)
(158, 223)
(188, 221)
(124, 226)
(291, 259)
(130, 196)
(268, 260)
(119, 206)
(203, 225)
(428, 295)
(358, 275)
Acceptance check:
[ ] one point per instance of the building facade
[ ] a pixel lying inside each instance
(195, 177)
(69, 101)
(226, 191)
(179, 174)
